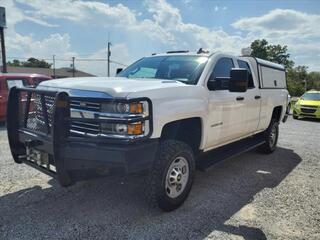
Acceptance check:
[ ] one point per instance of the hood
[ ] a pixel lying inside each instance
(309, 102)
(114, 86)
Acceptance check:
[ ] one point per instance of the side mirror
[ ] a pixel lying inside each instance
(239, 78)
(212, 84)
(119, 70)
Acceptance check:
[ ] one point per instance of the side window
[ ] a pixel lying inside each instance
(244, 64)
(221, 74)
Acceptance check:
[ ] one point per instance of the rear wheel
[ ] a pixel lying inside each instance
(172, 175)
(271, 137)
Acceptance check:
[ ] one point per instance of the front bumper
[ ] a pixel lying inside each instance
(306, 112)
(69, 158)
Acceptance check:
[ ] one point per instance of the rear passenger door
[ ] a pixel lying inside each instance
(226, 109)
(252, 100)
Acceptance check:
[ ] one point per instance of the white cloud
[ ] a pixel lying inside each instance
(165, 26)
(282, 22)
(298, 30)
(100, 67)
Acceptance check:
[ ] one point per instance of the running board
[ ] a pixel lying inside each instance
(210, 158)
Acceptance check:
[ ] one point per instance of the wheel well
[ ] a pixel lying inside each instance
(186, 130)
(276, 114)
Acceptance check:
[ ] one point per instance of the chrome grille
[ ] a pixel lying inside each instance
(83, 128)
(87, 106)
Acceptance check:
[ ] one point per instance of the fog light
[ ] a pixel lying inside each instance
(121, 128)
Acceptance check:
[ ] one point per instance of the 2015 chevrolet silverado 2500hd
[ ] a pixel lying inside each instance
(156, 116)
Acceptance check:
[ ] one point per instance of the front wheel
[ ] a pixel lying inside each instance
(271, 137)
(172, 175)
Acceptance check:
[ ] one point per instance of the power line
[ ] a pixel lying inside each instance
(70, 59)
(118, 63)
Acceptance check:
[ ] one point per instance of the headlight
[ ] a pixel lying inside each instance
(125, 108)
(116, 119)
(133, 110)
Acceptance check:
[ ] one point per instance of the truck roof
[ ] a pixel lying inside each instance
(208, 54)
(177, 53)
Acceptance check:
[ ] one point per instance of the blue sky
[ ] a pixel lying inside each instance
(67, 28)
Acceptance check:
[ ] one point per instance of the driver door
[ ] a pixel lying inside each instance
(226, 109)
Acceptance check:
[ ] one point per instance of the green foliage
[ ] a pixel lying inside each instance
(274, 53)
(295, 83)
(313, 81)
(296, 76)
(31, 62)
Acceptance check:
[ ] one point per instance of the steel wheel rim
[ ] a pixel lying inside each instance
(273, 136)
(177, 177)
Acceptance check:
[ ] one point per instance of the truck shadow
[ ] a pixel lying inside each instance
(115, 208)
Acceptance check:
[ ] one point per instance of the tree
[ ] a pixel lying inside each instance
(31, 62)
(295, 80)
(274, 53)
(313, 80)
(259, 49)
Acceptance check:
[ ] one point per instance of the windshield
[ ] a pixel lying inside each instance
(311, 96)
(186, 69)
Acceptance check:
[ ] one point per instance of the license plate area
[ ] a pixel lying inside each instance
(40, 158)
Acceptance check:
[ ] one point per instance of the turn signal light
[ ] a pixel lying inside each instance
(135, 129)
(136, 108)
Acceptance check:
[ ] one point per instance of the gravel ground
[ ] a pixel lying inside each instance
(251, 196)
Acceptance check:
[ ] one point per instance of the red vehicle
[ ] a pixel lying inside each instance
(8, 80)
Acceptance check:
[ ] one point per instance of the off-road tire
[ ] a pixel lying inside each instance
(271, 137)
(168, 151)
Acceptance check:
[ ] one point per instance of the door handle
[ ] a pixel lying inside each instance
(240, 98)
(257, 97)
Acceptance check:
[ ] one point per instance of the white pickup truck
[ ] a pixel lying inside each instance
(156, 117)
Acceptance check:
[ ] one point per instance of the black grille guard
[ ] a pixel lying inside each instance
(41, 118)
(20, 102)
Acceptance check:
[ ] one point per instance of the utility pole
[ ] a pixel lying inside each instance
(305, 84)
(54, 66)
(73, 68)
(109, 54)
(3, 48)
(3, 51)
